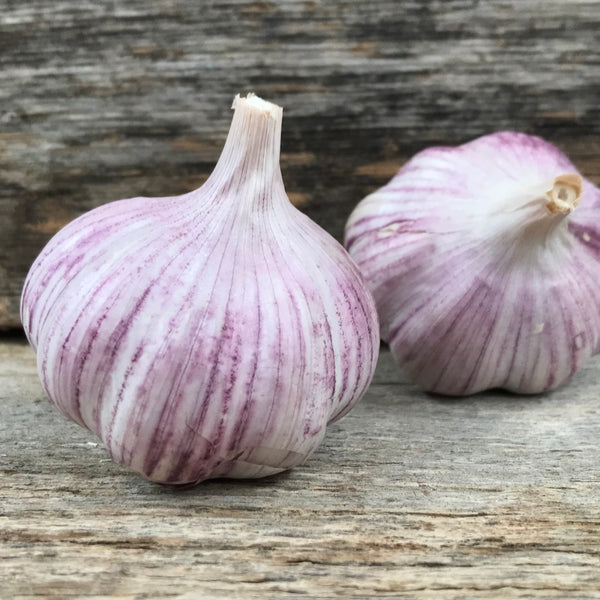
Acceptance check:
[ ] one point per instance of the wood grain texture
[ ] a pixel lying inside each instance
(103, 100)
(411, 496)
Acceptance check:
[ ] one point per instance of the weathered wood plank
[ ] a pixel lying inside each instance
(101, 100)
(410, 496)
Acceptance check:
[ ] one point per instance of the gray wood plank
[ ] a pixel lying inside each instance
(410, 496)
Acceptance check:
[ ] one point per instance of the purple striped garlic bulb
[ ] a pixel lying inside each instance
(484, 261)
(213, 334)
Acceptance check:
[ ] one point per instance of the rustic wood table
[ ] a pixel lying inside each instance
(410, 496)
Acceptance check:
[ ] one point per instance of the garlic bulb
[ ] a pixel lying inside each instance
(213, 334)
(485, 271)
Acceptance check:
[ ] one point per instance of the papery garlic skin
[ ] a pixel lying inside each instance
(484, 260)
(213, 334)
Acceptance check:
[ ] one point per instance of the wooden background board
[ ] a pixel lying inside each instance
(410, 496)
(101, 100)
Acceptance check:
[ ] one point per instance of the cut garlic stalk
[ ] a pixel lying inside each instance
(565, 194)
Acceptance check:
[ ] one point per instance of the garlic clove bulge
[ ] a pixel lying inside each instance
(213, 334)
(484, 260)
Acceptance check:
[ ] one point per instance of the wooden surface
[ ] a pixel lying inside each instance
(102, 100)
(410, 496)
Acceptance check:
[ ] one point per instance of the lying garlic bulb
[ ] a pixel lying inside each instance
(213, 334)
(485, 271)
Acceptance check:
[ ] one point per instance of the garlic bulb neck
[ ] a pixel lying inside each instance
(249, 163)
(565, 194)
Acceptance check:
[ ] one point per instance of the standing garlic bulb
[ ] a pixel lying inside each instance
(485, 271)
(213, 334)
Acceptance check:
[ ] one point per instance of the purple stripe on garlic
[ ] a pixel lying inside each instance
(485, 265)
(213, 334)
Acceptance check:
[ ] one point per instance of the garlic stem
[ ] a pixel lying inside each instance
(565, 194)
(250, 158)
